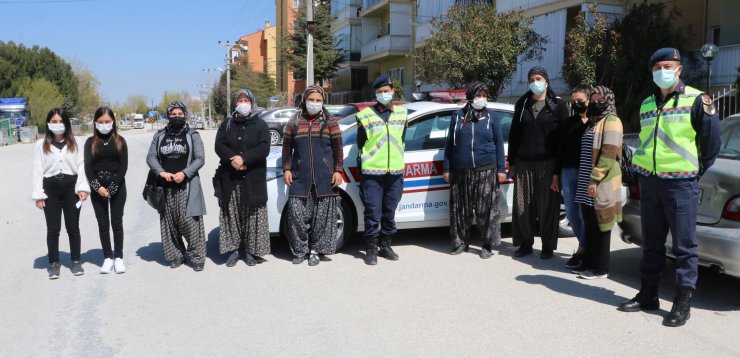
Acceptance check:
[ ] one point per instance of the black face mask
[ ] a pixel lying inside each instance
(579, 107)
(595, 109)
(177, 122)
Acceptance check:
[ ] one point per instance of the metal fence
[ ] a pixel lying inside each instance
(726, 100)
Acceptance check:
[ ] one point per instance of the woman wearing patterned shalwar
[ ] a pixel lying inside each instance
(474, 166)
(175, 155)
(242, 144)
(312, 163)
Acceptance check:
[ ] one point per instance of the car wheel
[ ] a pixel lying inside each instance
(564, 229)
(274, 137)
(345, 222)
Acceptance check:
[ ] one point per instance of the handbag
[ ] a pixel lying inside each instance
(153, 193)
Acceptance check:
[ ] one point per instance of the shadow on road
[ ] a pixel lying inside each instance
(93, 256)
(153, 253)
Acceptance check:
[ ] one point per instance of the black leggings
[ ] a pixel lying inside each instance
(61, 198)
(102, 213)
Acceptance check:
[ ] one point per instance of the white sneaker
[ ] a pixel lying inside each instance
(107, 266)
(590, 275)
(120, 267)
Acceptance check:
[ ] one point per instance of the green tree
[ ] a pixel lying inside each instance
(43, 95)
(590, 50)
(474, 42)
(242, 76)
(136, 103)
(326, 54)
(87, 87)
(169, 96)
(18, 62)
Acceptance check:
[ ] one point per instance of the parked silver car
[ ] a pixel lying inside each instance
(718, 215)
(276, 120)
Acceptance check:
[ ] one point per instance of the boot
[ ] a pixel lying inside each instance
(680, 312)
(371, 253)
(485, 252)
(646, 299)
(385, 249)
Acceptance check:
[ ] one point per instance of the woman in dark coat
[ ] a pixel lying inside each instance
(474, 166)
(533, 151)
(312, 163)
(242, 144)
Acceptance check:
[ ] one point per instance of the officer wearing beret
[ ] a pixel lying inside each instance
(380, 131)
(680, 139)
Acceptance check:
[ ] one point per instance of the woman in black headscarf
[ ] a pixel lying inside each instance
(175, 155)
(242, 144)
(474, 166)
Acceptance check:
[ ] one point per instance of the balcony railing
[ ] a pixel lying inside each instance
(387, 45)
(724, 66)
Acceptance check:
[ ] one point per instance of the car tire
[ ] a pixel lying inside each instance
(346, 225)
(274, 137)
(564, 229)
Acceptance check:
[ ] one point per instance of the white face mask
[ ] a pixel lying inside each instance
(384, 98)
(313, 107)
(104, 128)
(57, 128)
(244, 108)
(480, 103)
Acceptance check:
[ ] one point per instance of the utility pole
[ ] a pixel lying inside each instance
(310, 26)
(210, 91)
(228, 46)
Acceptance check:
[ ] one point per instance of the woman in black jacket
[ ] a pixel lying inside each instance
(533, 151)
(106, 162)
(242, 144)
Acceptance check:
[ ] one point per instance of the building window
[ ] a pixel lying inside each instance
(396, 74)
(715, 35)
(296, 3)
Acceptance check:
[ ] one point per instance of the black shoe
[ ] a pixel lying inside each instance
(575, 261)
(485, 252)
(177, 262)
(523, 251)
(371, 252)
(259, 259)
(645, 300)
(313, 260)
(299, 260)
(197, 267)
(77, 268)
(681, 310)
(233, 259)
(459, 249)
(54, 270)
(324, 258)
(250, 260)
(388, 253)
(546, 254)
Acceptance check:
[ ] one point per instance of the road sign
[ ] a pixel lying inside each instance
(151, 114)
(274, 99)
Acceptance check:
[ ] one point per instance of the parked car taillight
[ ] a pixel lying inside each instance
(732, 209)
(634, 191)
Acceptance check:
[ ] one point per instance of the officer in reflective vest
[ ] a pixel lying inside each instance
(679, 135)
(380, 132)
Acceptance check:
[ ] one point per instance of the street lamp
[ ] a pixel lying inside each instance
(210, 88)
(708, 51)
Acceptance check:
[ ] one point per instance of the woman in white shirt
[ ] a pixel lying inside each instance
(60, 186)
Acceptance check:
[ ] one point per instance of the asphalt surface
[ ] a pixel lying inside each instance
(428, 303)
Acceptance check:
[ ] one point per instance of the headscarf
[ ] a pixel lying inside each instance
(470, 93)
(185, 128)
(611, 107)
(176, 104)
(255, 110)
(311, 89)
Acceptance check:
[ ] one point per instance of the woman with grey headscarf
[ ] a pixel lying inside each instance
(242, 144)
(175, 156)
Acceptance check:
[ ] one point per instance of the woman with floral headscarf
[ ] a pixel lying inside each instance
(175, 156)
(313, 165)
(242, 144)
(600, 182)
(474, 166)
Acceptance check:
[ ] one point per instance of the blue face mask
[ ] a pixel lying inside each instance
(665, 79)
(538, 87)
(384, 98)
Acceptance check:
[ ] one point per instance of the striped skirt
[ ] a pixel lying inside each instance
(474, 199)
(243, 225)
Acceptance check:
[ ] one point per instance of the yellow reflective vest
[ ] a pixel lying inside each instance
(383, 150)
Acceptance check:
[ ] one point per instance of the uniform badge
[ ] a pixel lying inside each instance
(708, 105)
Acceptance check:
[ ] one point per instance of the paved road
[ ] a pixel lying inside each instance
(427, 304)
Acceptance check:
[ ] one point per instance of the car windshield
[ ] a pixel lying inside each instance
(730, 134)
(347, 110)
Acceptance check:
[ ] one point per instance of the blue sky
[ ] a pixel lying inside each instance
(136, 46)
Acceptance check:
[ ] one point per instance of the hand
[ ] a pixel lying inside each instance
(166, 176)
(501, 177)
(512, 173)
(288, 177)
(82, 195)
(446, 177)
(179, 177)
(41, 204)
(336, 179)
(237, 162)
(555, 185)
(103, 192)
(592, 190)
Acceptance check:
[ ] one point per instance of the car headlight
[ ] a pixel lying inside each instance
(274, 173)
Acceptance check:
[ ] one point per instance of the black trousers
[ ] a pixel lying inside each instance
(596, 256)
(109, 213)
(61, 198)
